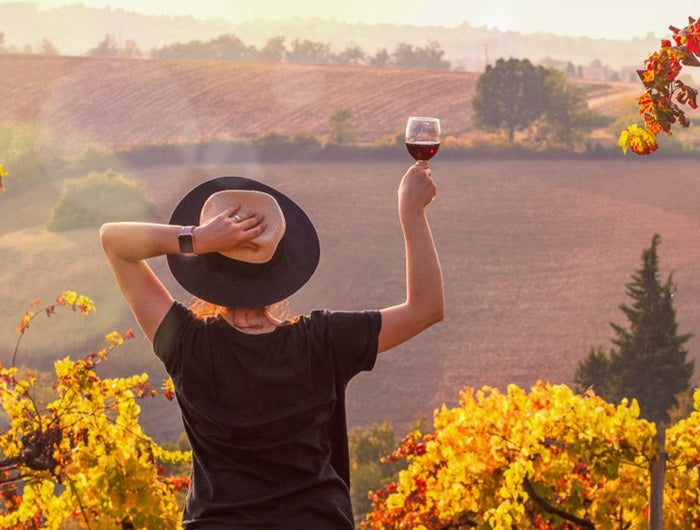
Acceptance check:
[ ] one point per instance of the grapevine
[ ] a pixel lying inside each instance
(661, 103)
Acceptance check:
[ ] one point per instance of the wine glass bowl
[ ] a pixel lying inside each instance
(422, 137)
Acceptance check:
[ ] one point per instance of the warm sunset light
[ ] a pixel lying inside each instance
(596, 18)
(262, 197)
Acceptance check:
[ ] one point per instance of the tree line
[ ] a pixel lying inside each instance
(276, 49)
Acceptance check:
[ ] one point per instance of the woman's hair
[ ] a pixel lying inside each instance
(277, 313)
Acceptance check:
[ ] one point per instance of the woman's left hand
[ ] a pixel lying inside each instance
(228, 230)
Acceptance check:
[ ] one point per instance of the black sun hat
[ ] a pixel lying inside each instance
(289, 246)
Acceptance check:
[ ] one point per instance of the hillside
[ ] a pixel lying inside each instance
(531, 281)
(115, 102)
(535, 256)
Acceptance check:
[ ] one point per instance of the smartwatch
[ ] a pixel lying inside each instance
(185, 240)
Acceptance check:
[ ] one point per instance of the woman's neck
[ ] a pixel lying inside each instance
(253, 321)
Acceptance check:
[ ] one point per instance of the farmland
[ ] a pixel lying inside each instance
(535, 253)
(76, 102)
(535, 257)
(81, 101)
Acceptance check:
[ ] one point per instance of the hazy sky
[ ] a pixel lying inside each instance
(595, 18)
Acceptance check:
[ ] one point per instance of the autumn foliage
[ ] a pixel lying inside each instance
(661, 103)
(3, 173)
(74, 453)
(545, 459)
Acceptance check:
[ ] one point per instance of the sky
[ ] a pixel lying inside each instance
(614, 19)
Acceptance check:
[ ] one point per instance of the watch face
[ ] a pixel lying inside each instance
(186, 245)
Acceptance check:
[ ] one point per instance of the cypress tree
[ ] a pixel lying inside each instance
(648, 360)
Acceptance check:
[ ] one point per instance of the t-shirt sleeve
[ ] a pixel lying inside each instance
(168, 340)
(354, 340)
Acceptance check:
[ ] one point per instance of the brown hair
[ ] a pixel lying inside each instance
(277, 313)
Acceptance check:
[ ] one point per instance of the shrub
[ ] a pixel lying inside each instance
(98, 198)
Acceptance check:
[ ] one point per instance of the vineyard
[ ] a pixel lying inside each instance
(535, 256)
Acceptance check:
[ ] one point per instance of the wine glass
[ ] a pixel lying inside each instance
(422, 137)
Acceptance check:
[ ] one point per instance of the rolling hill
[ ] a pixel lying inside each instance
(74, 102)
(535, 254)
(114, 103)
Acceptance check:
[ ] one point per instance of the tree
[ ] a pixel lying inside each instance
(309, 52)
(130, 49)
(380, 58)
(352, 55)
(648, 362)
(509, 96)
(222, 48)
(430, 56)
(109, 47)
(566, 118)
(273, 51)
(47, 48)
(341, 129)
(227, 48)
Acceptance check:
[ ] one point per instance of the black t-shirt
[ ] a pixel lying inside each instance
(265, 415)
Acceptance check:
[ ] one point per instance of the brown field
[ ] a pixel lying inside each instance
(535, 257)
(74, 102)
(80, 101)
(535, 254)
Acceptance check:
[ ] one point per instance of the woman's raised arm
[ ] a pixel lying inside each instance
(425, 300)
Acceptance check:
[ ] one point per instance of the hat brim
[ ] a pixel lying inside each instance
(228, 282)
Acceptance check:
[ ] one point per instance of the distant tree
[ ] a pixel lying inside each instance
(47, 48)
(351, 55)
(407, 56)
(130, 50)
(341, 129)
(648, 362)
(380, 58)
(109, 47)
(274, 50)
(570, 69)
(566, 118)
(309, 52)
(222, 48)
(227, 47)
(179, 50)
(509, 96)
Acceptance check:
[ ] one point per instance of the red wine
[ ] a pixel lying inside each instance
(422, 150)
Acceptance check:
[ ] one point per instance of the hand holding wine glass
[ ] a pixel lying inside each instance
(422, 137)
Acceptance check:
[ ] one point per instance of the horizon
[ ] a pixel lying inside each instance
(622, 20)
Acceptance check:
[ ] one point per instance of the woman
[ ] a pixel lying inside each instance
(262, 398)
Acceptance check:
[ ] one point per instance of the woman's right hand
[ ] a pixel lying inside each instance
(228, 230)
(417, 188)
